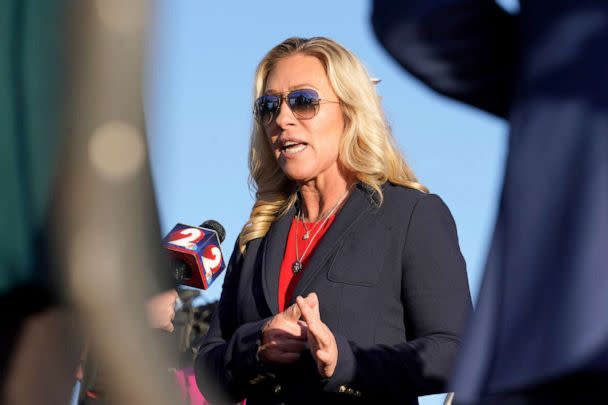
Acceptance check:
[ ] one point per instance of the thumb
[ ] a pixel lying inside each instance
(293, 313)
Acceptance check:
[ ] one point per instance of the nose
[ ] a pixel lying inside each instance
(285, 117)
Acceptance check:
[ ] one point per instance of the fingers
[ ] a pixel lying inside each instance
(322, 342)
(161, 310)
(283, 351)
(281, 334)
(166, 317)
(289, 322)
(310, 313)
(169, 327)
(284, 337)
(303, 332)
(313, 301)
(286, 345)
(293, 313)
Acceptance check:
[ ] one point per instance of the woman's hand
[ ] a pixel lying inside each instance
(161, 310)
(283, 337)
(321, 340)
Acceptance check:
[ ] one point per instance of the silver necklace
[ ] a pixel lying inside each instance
(307, 233)
(296, 267)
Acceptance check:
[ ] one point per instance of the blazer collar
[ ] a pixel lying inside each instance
(361, 200)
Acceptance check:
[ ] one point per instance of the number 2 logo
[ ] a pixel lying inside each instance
(187, 238)
(212, 260)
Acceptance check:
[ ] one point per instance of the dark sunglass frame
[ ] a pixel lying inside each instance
(303, 103)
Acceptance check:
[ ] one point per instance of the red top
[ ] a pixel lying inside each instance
(287, 280)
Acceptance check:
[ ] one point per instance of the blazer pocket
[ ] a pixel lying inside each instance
(356, 262)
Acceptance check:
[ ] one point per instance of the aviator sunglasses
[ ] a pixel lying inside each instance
(304, 103)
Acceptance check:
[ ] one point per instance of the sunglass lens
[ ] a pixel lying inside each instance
(265, 108)
(304, 103)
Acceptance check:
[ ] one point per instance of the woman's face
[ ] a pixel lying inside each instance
(306, 149)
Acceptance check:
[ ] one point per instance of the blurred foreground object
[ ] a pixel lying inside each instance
(38, 351)
(106, 223)
(540, 334)
(77, 151)
(191, 324)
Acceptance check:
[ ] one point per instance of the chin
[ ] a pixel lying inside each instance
(297, 177)
(297, 174)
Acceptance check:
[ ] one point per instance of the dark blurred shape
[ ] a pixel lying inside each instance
(38, 351)
(191, 325)
(79, 235)
(540, 328)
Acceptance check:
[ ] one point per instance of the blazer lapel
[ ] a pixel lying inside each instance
(359, 202)
(274, 249)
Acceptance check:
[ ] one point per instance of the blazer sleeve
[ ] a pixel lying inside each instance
(463, 49)
(436, 300)
(227, 357)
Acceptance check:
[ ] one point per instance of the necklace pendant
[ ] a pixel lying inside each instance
(296, 267)
(306, 235)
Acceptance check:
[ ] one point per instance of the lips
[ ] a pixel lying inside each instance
(291, 147)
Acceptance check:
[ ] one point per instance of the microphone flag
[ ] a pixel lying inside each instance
(199, 248)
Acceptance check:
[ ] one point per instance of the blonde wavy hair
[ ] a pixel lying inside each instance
(368, 148)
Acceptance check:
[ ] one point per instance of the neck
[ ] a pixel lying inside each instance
(320, 197)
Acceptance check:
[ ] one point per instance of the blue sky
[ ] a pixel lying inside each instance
(198, 110)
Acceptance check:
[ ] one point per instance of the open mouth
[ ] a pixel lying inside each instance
(292, 147)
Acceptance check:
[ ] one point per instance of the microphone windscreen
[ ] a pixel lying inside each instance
(217, 227)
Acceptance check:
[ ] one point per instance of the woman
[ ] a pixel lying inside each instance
(347, 284)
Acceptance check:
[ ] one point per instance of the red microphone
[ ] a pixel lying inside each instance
(196, 255)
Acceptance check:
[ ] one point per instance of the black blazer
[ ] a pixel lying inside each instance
(392, 287)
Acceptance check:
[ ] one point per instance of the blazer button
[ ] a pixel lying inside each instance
(277, 389)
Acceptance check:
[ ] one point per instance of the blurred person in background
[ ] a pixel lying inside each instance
(540, 334)
(347, 284)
